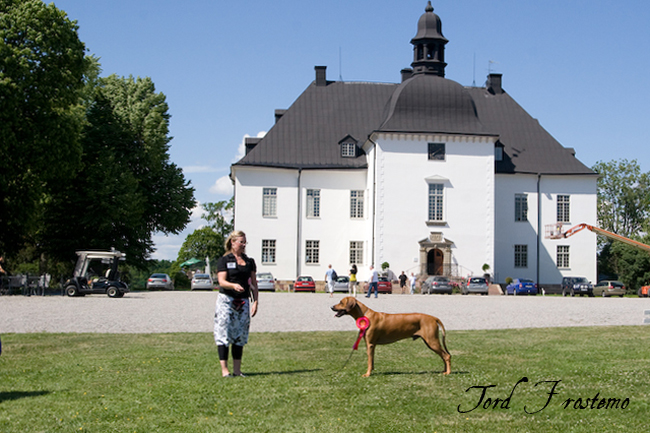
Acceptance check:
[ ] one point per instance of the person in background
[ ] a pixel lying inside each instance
(352, 285)
(402, 282)
(373, 282)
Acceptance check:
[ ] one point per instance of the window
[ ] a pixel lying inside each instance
(498, 153)
(521, 256)
(348, 150)
(356, 252)
(270, 202)
(562, 254)
(268, 251)
(563, 214)
(436, 151)
(436, 195)
(521, 207)
(312, 251)
(313, 203)
(356, 204)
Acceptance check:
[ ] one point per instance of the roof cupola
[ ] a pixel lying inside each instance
(429, 45)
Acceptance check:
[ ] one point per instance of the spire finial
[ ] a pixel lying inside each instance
(429, 8)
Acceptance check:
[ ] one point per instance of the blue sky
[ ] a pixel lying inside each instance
(579, 66)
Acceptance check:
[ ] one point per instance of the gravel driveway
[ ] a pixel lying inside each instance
(144, 312)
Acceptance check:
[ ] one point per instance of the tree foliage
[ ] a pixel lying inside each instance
(127, 189)
(42, 68)
(623, 201)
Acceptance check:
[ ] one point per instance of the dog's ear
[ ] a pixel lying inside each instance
(351, 303)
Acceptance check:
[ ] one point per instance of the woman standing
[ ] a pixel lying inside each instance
(237, 282)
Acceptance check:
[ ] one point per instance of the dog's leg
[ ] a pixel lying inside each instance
(432, 340)
(371, 359)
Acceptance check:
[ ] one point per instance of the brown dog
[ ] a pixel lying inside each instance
(388, 328)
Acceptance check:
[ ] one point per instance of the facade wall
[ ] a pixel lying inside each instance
(292, 227)
(581, 191)
(404, 172)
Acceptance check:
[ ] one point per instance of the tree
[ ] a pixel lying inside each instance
(209, 241)
(127, 189)
(623, 201)
(42, 68)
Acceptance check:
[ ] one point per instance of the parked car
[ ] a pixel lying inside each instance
(384, 285)
(521, 286)
(160, 281)
(304, 284)
(265, 281)
(202, 282)
(436, 284)
(577, 286)
(475, 285)
(342, 284)
(607, 288)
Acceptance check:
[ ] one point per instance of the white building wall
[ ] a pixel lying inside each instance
(403, 175)
(291, 227)
(582, 247)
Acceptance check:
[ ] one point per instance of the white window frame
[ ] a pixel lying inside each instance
(563, 208)
(356, 252)
(270, 202)
(521, 256)
(357, 203)
(312, 252)
(313, 203)
(348, 150)
(521, 207)
(436, 203)
(268, 251)
(563, 257)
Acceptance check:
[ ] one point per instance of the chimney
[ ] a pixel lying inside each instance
(251, 142)
(321, 76)
(279, 114)
(493, 84)
(406, 74)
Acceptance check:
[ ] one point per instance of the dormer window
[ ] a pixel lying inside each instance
(348, 147)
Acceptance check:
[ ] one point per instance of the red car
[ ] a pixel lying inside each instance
(383, 286)
(304, 284)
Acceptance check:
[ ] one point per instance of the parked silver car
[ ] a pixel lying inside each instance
(607, 288)
(436, 284)
(475, 285)
(202, 282)
(160, 282)
(342, 284)
(265, 281)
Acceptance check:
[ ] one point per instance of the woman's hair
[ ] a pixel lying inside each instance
(354, 269)
(234, 235)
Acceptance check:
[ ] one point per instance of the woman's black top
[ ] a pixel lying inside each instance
(237, 274)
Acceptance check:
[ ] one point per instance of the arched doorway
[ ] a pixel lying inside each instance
(435, 262)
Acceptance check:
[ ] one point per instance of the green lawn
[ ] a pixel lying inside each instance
(297, 383)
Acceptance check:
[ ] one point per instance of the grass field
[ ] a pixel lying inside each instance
(296, 383)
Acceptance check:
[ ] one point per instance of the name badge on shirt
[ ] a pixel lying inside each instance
(231, 265)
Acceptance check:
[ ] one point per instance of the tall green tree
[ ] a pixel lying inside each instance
(127, 188)
(42, 68)
(623, 199)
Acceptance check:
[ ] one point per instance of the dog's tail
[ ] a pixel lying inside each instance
(444, 336)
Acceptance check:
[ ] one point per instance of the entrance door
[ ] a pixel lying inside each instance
(435, 259)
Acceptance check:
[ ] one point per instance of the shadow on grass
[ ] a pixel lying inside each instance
(414, 373)
(16, 395)
(282, 373)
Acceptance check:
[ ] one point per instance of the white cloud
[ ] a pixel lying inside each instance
(241, 149)
(223, 185)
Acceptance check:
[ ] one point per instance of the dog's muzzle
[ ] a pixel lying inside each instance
(339, 313)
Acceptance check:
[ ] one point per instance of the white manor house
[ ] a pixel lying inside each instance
(428, 175)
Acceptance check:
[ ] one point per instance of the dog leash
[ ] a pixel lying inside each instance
(363, 324)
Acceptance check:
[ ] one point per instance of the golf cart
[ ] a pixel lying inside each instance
(86, 282)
